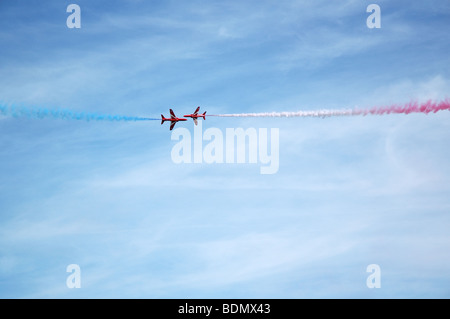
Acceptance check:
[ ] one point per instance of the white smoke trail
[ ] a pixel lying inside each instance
(412, 107)
(318, 113)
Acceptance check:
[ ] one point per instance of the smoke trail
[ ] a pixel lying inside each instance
(41, 113)
(411, 107)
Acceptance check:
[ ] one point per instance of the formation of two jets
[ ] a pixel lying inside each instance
(173, 119)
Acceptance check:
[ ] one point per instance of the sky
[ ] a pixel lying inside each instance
(107, 196)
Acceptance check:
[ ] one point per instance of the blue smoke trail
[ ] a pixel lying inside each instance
(41, 113)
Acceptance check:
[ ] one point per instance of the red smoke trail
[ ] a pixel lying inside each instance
(411, 107)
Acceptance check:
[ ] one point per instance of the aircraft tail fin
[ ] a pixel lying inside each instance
(162, 119)
(204, 113)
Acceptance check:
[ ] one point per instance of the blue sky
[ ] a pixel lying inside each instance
(107, 196)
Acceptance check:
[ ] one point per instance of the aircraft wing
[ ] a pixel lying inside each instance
(196, 110)
(172, 125)
(195, 120)
(172, 114)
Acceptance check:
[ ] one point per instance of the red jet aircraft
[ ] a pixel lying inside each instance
(173, 119)
(195, 115)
